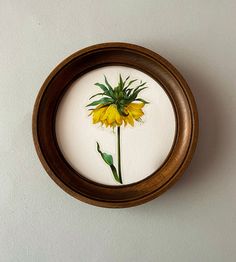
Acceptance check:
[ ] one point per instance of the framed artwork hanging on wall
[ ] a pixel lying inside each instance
(115, 125)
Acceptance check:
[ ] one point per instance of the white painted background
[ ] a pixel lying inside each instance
(196, 219)
(144, 147)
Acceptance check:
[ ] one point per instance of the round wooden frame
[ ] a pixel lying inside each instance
(57, 84)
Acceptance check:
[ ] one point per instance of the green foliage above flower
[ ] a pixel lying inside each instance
(121, 95)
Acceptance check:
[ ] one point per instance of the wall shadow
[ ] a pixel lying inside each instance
(210, 146)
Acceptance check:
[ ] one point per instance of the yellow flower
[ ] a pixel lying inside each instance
(117, 106)
(110, 116)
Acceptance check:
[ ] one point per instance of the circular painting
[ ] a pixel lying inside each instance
(115, 125)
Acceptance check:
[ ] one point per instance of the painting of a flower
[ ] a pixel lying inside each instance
(118, 106)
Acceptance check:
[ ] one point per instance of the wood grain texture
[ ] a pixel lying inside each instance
(57, 84)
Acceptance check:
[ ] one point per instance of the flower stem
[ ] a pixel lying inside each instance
(119, 160)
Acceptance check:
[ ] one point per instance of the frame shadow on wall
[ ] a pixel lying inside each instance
(210, 145)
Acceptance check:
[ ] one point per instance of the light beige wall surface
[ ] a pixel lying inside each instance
(196, 219)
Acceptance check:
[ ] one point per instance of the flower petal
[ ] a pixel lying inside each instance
(118, 119)
(136, 113)
(130, 119)
(135, 106)
(105, 115)
(98, 113)
(111, 116)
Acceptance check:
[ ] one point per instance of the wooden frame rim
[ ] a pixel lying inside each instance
(56, 84)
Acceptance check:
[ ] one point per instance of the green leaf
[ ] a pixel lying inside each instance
(98, 94)
(115, 174)
(129, 90)
(141, 100)
(104, 88)
(108, 159)
(121, 83)
(126, 80)
(111, 91)
(140, 86)
(104, 100)
(136, 92)
(122, 102)
(130, 83)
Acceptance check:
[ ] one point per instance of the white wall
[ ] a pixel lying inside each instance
(193, 221)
